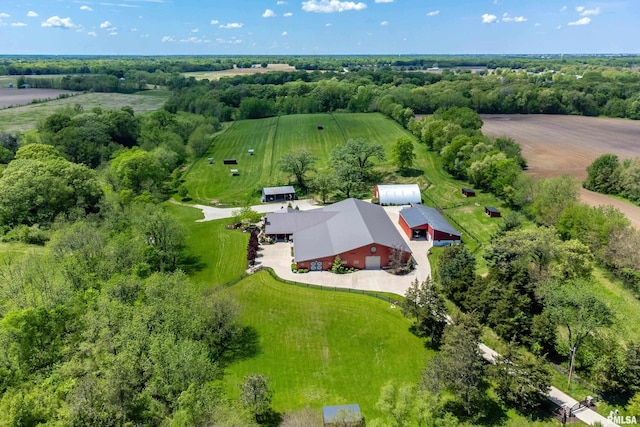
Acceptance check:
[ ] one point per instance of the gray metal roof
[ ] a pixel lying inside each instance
(290, 222)
(273, 191)
(352, 224)
(416, 216)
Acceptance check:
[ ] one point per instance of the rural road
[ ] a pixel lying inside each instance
(596, 199)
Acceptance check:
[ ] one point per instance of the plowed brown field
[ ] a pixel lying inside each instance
(555, 145)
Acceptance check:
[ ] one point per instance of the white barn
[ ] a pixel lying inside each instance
(400, 194)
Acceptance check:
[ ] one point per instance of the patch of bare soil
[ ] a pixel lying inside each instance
(15, 97)
(556, 145)
(214, 75)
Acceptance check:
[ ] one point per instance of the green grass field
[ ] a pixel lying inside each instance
(24, 118)
(322, 347)
(271, 138)
(221, 252)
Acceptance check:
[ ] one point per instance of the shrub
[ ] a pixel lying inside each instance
(293, 267)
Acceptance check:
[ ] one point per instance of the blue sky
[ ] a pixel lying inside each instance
(272, 27)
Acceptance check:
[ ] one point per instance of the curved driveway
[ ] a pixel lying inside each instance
(278, 256)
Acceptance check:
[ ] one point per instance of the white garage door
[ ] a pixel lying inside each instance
(372, 263)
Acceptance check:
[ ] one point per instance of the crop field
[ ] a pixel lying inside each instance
(26, 117)
(324, 348)
(555, 145)
(272, 138)
(16, 97)
(215, 75)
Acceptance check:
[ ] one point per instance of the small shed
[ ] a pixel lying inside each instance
(320, 127)
(251, 151)
(278, 194)
(401, 194)
(468, 192)
(342, 415)
(492, 212)
(230, 161)
(423, 222)
(234, 172)
(10, 85)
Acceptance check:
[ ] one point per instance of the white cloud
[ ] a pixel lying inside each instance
(4, 15)
(507, 18)
(590, 12)
(558, 27)
(106, 25)
(113, 33)
(489, 19)
(92, 34)
(18, 24)
(85, 7)
(214, 22)
(229, 25)
(195, 30)
(168, 39)
(582, 21)
(384, 1)
(384, 23)
(232, 40)
(579, 8)
(433, 13)
(133, 30)
(195, 40)
(563, 8)
(32, 14)
(331, 6)
(328, 24)
(284, 34)
(288, 14)
(57, 22)
(268, 14)
(281, 2)
(537, 24)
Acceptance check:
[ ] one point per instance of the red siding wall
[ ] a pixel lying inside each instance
(440, 235)
(405, 227)
(356, 258)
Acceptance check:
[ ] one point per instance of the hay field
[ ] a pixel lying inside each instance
(26, 117)
(556, 145)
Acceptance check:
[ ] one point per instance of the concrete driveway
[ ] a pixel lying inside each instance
(278, 255)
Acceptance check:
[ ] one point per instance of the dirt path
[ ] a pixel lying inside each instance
(556, 145)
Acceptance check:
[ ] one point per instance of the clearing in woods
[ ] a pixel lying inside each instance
(556, 145)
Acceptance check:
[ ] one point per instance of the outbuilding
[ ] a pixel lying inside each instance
(424, 222)
(468, 192)
(398, 194)
(492, 212)
(360, 233)
(278, 194)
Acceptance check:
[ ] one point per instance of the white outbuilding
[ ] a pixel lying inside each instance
(399, 194)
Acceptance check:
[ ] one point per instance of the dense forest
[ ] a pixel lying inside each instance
(100, 324)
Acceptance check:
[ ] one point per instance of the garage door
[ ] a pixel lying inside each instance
(372, 263)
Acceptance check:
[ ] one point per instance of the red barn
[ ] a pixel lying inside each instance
(427, 223)
(360, 233)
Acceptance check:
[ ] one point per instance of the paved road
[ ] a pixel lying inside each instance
(558, 397)
(210, 213)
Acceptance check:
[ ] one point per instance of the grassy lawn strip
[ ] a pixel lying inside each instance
(222, 252)
(324, 348)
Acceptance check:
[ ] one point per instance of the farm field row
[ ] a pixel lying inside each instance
(26, 117)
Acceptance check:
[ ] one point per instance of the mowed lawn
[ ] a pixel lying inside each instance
(270, 139)
(322, 347)
(221, 253)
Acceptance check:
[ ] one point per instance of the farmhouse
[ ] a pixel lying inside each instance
(492, 212)
(278, 194)
(360, 233)
(423, 222)
(403, 194)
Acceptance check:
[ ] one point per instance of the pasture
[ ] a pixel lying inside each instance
(324, 348)
(26, 117)
(271, 138)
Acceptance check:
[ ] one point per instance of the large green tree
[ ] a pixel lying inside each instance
(298, 163)
(403, 155)
(359, 153)
(603, 174)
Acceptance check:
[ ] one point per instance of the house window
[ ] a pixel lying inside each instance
(356, 261)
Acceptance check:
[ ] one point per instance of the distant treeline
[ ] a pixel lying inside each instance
(596, 91)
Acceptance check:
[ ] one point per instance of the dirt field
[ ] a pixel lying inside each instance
(555, 145)
(14, 97)
(215, 75)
